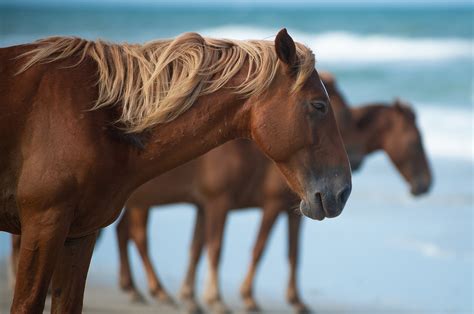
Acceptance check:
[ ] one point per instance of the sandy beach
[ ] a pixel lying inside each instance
(102, 297)
(99, 298)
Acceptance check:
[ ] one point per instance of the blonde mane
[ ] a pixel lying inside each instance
(158, 81)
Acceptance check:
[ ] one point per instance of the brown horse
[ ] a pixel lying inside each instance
(236, 175)
(392, 129)
(84, 123)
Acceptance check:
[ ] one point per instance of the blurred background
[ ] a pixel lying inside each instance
(387, 251)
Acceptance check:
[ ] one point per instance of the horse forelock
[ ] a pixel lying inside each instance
(159, 80)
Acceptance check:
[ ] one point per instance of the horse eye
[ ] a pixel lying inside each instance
(320, 106)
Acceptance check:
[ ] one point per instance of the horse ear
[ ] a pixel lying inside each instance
(397, 104)
(328, 80)
(285, 48)
(404, 107)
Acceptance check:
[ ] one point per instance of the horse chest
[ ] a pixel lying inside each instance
(97, 210)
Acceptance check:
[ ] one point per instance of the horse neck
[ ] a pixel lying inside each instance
(372, 123)
(211, 121)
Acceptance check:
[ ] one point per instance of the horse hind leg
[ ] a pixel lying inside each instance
(138, 231)
(270, 214)
(187, 293)
(292, 294)
(70, 274)
(126, 279)
(216, 214)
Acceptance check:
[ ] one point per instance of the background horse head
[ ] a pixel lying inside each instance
(393, 129)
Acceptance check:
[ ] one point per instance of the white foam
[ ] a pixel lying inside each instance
(348, 47)
(447, 132)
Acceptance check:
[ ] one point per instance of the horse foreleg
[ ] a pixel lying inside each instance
(42, 237)
(216, 214)
(69, 278)
(292, 294)
(16, 241)
(138, 232)
(187, 288)
(126, 278)
(270, 213)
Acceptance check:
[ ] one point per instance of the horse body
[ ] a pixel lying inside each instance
(67, 166)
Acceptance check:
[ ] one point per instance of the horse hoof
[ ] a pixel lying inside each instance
(192, 307)
(218, 307)
(136, 297)
(164, 298)
(251, 306)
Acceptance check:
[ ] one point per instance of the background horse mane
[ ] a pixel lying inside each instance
(158, 81)
(370, 112)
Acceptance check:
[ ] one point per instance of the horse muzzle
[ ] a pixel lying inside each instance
(420, 187)
(325, 204)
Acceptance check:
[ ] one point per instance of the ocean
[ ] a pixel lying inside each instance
(387, 251)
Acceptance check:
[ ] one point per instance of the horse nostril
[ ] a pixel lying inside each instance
(343, 195)
(319, 199)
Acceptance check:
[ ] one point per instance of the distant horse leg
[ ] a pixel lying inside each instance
(69, 278)
(292, 295)
(270, 213)
(216, 214)
(126, 278)
(43, 235)
(188, 286)
(138, 231)
(16, 241)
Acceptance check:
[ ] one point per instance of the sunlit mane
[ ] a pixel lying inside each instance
(158, 81)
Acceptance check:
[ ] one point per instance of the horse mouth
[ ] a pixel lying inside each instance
(418, 191)
(419, 187)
